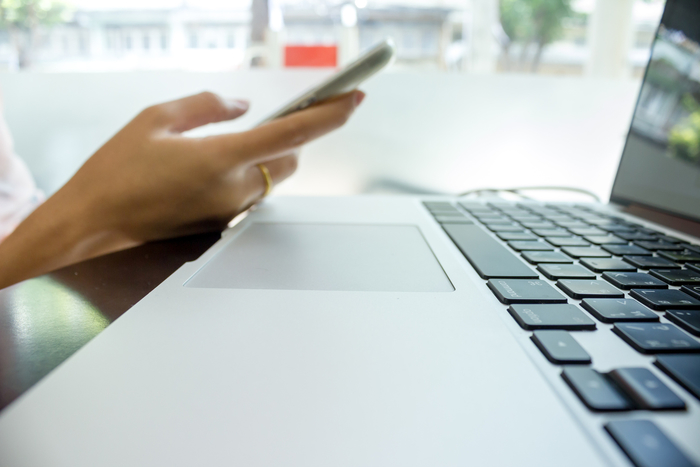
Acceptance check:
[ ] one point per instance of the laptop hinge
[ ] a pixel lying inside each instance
(668, 220)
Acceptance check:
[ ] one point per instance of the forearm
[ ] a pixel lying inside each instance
(56, 234)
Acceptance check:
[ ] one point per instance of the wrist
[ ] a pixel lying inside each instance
(59, 232)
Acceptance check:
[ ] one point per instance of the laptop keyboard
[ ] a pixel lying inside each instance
(605, 269)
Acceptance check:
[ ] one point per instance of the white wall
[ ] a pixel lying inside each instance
(447, 131)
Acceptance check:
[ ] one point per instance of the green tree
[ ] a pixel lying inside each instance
(534, 21)
(24, 18)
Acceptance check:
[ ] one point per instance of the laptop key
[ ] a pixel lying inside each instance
(594, 390)
(687, 319)
(567, 241)
(644, 388)
(684, 369)
(607, 264)
(664, 299)
(657, 246)
(621, 250)
(565, 271)
(530, 246)
(692, 290)
(537, 257)
(618, 310)
(585, 252)
(489, 258)
(560, 347)
(538, 225)
(677, 276)
(669, 239)
(516, 236)
(504, 228)
(633, 280)
(632, 236)
(552, 232)
(558, 316)
(510, 291)
(586, 231)
(650, 262)
(580, 289)
(682, 256)
(646, 445)
(656, 337)
(605, 240)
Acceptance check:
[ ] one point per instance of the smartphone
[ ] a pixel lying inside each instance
(345, 80)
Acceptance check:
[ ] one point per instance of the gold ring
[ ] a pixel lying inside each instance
(268, 179)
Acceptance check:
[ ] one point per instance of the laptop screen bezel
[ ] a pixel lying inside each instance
(622, 200)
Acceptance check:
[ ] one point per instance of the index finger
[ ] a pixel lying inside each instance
(289, 132)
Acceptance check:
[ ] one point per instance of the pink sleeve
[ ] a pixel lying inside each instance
(19, 195)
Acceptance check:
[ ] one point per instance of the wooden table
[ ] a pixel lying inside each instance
(44, 320)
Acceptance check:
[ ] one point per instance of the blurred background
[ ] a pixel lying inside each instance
(481, 92)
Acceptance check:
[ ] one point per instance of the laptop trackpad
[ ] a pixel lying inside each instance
(386, 258)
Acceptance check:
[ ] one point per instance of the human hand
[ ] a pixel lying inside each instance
(149, 182)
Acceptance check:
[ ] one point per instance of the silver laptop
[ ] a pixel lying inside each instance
(404, 331)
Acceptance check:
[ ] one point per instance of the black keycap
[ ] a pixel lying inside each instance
(607, 264)
(504, 227)
(474, 207)
(493, 219)
(684, 369)
(605, 240)
(618, 310)
(516, 236)
(692, 290)
(433, 206)
(651, 262)
(448, 215)
(687, 319)
(665, 299)
(452, 220)
(525, 218)
(646, 445)
(616, 228)
(644, 388)
(486, 254)
(677, 276)
(585, 252)
(525, 291)
(589, 289)
(683, 256)
(694, 267)
(537, 257)
(538, 225)
(565, 271)
(552, 232)
(657, 246)
(621, 250)
(595, 390)
(567, 241)
(634, 280)
(586, 231)
(669, 239)
(574, 225)
(635, 236)
(656, 337)
(557, 316)
(560, 347)
(530, 246)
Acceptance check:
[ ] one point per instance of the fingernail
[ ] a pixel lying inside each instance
(359, 97)
(238, 104)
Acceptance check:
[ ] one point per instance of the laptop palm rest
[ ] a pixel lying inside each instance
(342, 257)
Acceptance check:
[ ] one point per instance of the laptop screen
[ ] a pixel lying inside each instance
(660, 165)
